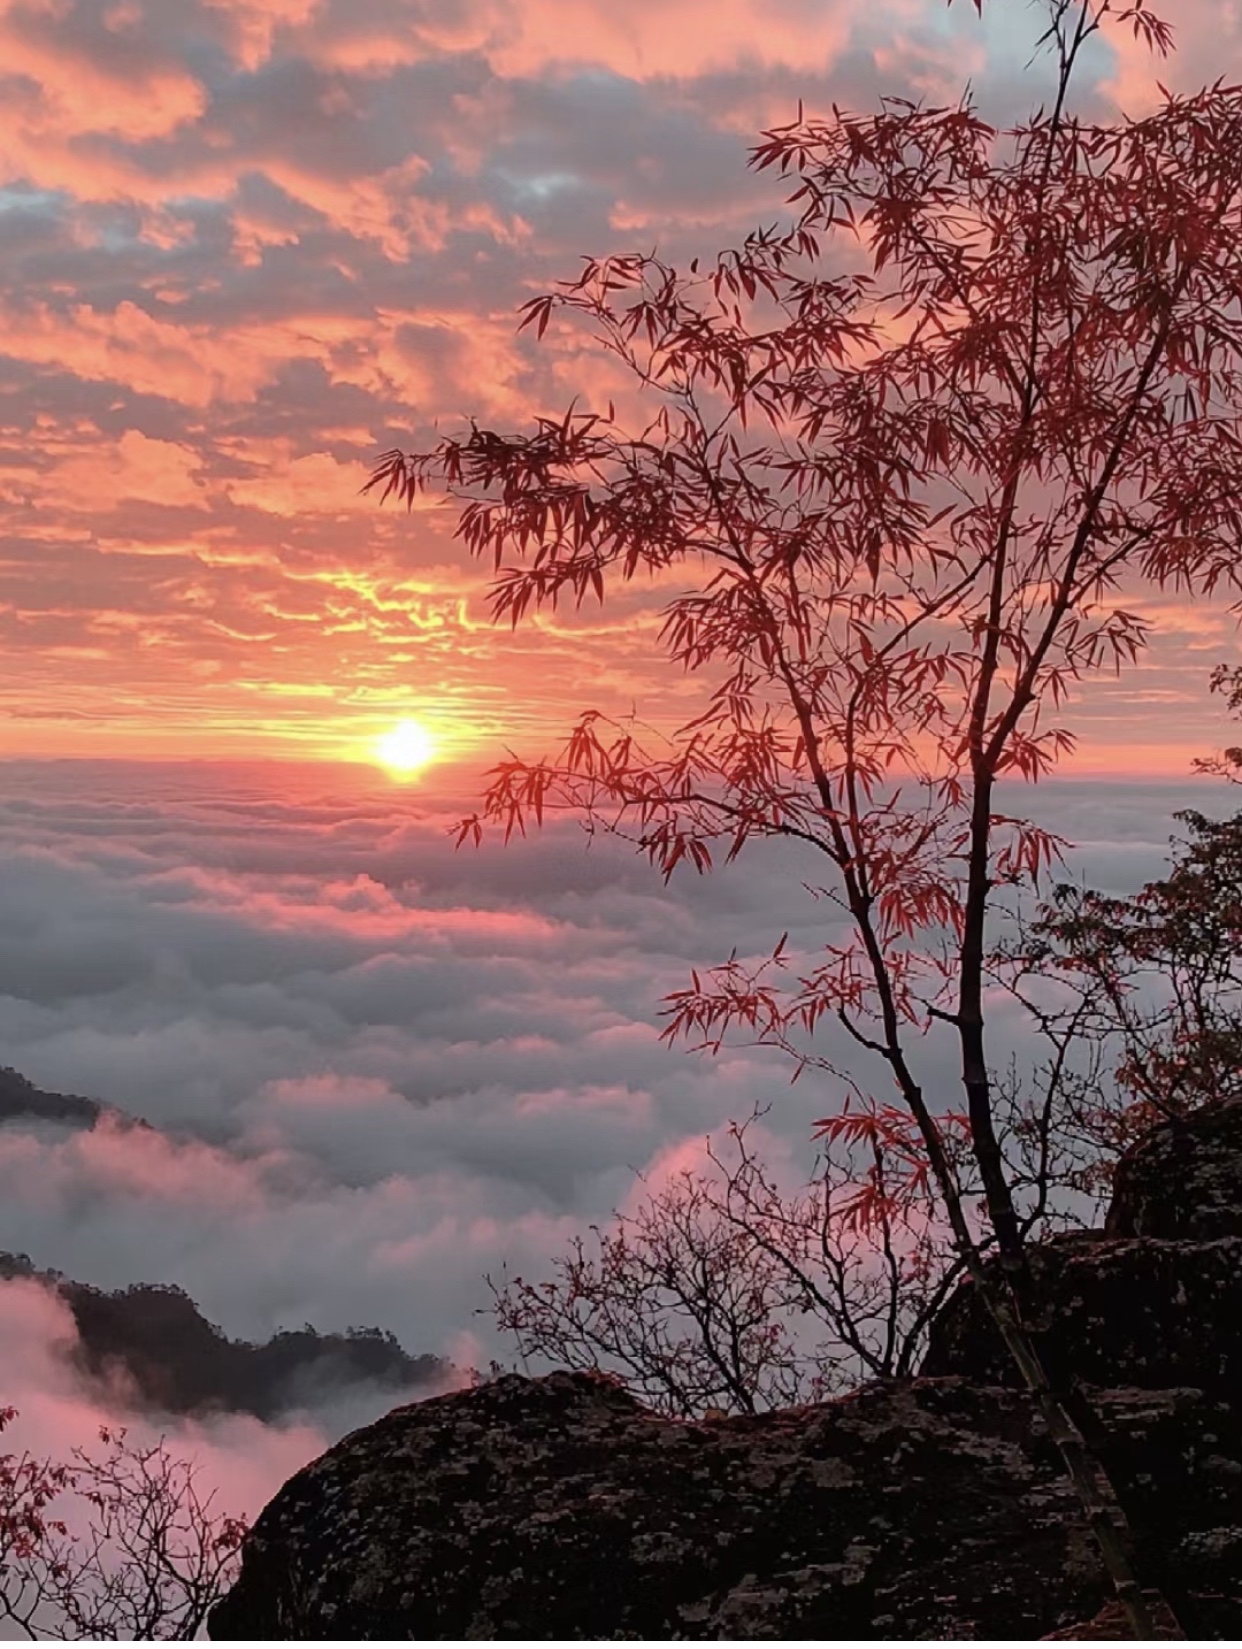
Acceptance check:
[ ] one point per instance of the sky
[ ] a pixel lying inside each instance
(245, 246)
(249, 244)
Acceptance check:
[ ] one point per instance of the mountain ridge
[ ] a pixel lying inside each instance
(152, 1340)
(168, 1356)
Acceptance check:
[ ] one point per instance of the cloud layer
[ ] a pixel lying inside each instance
(375, 1069)
(374, 1065)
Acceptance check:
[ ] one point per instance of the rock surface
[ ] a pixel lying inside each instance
(1155, 1312)
(1156, 1297)
(559, 1508)
(1183, 1180)
(930, 1508)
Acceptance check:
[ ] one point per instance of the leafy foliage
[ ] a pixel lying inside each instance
(1029, 390)
(723, 1294)
(1154, 980)
(146, 1557)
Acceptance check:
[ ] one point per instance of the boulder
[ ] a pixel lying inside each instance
(560, 1508)
(1154, 1312)
(1155, 1298)
(926, 1508)
(1182, 1180)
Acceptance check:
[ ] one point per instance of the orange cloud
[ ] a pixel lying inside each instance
(253, 242)
(284, 484)
(676, 38)
(102, 79)
(133, 467)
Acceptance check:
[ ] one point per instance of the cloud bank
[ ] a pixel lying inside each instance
(375, 1067)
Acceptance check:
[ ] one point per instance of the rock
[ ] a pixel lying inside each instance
(1111, 1624)
(20, 1101)
(1182, 1180)
(927, 1508)
(560, 1508)
(1155, 1297)
(1135, 1308)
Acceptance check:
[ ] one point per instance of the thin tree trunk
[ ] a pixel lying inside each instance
(1008, 1297)
(1102, 1509)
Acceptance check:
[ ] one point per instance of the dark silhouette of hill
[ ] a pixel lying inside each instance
(20, 1098)
(154, 1335)
(177, 1361)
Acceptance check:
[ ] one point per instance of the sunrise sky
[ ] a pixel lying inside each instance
(245, 246)
(248, 244)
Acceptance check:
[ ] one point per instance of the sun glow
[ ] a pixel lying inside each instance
(408, 747)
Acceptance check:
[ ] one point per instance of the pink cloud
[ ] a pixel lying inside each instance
(96, 76)
(253, 25)
(633, 1104)
(1204, 34)
(115, 1160)
(242, 1460)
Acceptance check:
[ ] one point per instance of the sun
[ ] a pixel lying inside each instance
(406, 748)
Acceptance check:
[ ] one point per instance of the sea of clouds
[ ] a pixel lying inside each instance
(376, 1067)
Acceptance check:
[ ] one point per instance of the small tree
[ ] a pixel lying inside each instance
(1228, 764)
(722, 1294)
(909, 494)
(147, 1557)
(1157, 977)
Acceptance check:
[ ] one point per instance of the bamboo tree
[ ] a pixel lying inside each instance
(908, 493)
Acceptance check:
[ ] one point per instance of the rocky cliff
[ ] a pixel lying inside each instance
(928, 1508)
(22, 1101)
